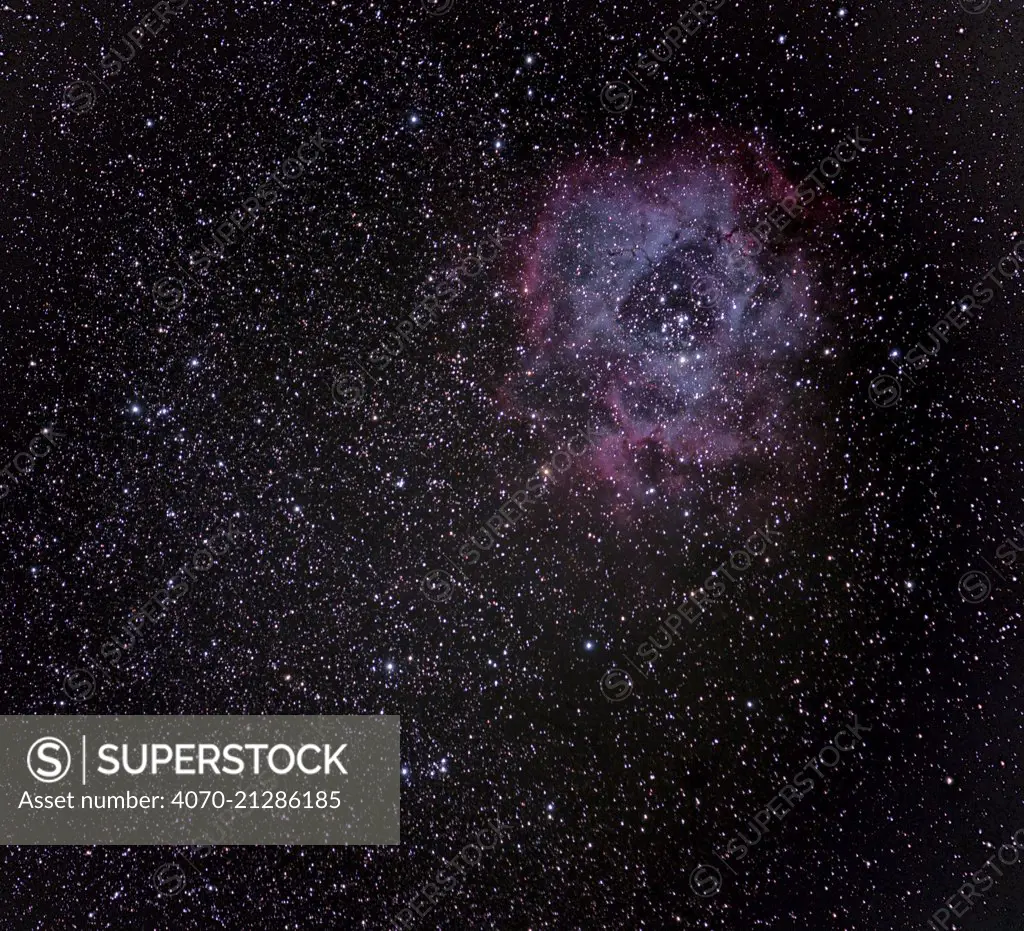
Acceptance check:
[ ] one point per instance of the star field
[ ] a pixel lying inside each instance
(350, 278)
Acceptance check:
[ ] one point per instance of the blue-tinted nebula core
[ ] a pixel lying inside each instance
(653, 315)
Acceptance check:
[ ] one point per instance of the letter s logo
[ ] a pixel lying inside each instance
(55, 756)
(168, 293)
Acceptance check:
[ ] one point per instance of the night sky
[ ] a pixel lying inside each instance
(498, 363)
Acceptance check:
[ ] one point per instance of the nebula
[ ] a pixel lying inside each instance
(651, 314)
